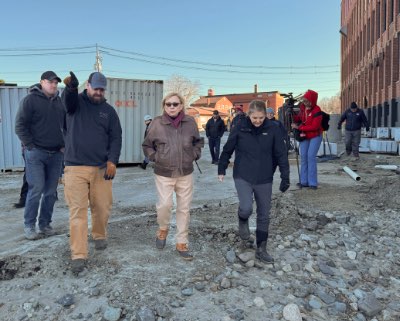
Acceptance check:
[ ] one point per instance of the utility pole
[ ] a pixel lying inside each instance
(98, 66)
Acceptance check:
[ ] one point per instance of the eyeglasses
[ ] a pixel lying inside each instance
(172, 104)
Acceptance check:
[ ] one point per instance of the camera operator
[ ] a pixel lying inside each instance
(310, 136)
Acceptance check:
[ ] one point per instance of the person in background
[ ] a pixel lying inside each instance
(355, 119)
(93, 143)
(173, 142)
(215, 129)
(309, 125)
(147, 122)
(239, 116)
(24, 188)
(39, 125)
(271, 116)
(257, 142)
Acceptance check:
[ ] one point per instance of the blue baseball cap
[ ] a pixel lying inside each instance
(97, 80)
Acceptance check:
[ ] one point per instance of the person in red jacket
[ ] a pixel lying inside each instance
(308, 122)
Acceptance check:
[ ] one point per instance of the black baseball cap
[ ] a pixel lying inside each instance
(50, 75)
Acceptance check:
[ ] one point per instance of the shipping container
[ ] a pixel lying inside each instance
(132, 99)
(10, 145)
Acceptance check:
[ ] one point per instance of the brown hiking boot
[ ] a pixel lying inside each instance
(183, 251)
(161, 238)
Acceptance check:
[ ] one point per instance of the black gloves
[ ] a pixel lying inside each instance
(284, 185)
(71, 81)
(367, 129)
(339, 127)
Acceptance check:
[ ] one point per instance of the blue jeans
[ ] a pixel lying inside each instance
(43, 168)
(308, 154)
(214, 144)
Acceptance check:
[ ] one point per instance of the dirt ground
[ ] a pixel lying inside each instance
(132, 275)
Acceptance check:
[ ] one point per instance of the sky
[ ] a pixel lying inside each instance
(226, 45)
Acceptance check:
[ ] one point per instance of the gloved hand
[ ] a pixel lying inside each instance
(367, 129)
(284, 185)
(111, 170)
(339, 127)
(71, 81)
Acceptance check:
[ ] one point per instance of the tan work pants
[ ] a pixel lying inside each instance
(183, 187)
(83, 183)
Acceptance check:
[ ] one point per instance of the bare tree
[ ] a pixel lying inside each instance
(330, 105)
(183, 86)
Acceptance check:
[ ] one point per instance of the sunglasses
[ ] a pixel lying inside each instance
(172, 104)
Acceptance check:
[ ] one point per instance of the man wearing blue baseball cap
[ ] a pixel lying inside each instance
(92, 148)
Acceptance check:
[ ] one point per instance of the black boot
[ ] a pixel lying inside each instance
(244, 231)
(20, 204)
(262, 254)
(143, 165)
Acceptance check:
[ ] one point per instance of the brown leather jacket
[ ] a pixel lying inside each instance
(173, 149)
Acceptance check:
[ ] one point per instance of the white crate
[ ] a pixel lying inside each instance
(382, 132)
(383, 146)
(395, 133)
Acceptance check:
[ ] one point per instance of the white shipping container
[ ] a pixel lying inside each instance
(133, 99)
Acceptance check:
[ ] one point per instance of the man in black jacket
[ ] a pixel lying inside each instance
(39, 124)
(355, 119)
(92, 149)
(215, 129)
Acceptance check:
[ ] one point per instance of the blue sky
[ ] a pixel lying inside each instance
(284, 45)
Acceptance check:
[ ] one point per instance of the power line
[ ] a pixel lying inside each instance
(218, 70)
(47, 54)
(46, 49)
(215, 64)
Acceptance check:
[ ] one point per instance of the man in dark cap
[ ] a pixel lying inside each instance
(39, 125)
(92, 148)
(215, 129)
(355, 119)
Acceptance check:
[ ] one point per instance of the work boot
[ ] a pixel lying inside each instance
(47, 231)
(77, 265)
(143, 165)
(20, 204)
(262, 254)
(100, 245)
(161, 238)
(244, 231)
(183, 251)
(30, 233)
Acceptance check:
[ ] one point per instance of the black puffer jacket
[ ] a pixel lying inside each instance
(255, 148)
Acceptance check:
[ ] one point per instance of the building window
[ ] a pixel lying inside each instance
(384, 15)
(378, 21)
(391, 8)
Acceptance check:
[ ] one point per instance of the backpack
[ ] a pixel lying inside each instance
(325, 119)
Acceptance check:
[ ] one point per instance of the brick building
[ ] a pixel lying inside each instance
(272, 98)
(370, 48)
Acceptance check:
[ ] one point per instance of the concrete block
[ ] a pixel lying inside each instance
(332, 151)
(395, 133)
(365, 142)
(372, 133)
(383, 146)
(383, 132)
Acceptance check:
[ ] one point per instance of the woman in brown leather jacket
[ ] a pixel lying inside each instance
(173, 143)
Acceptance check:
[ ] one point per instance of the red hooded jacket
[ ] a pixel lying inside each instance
(310, 125)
